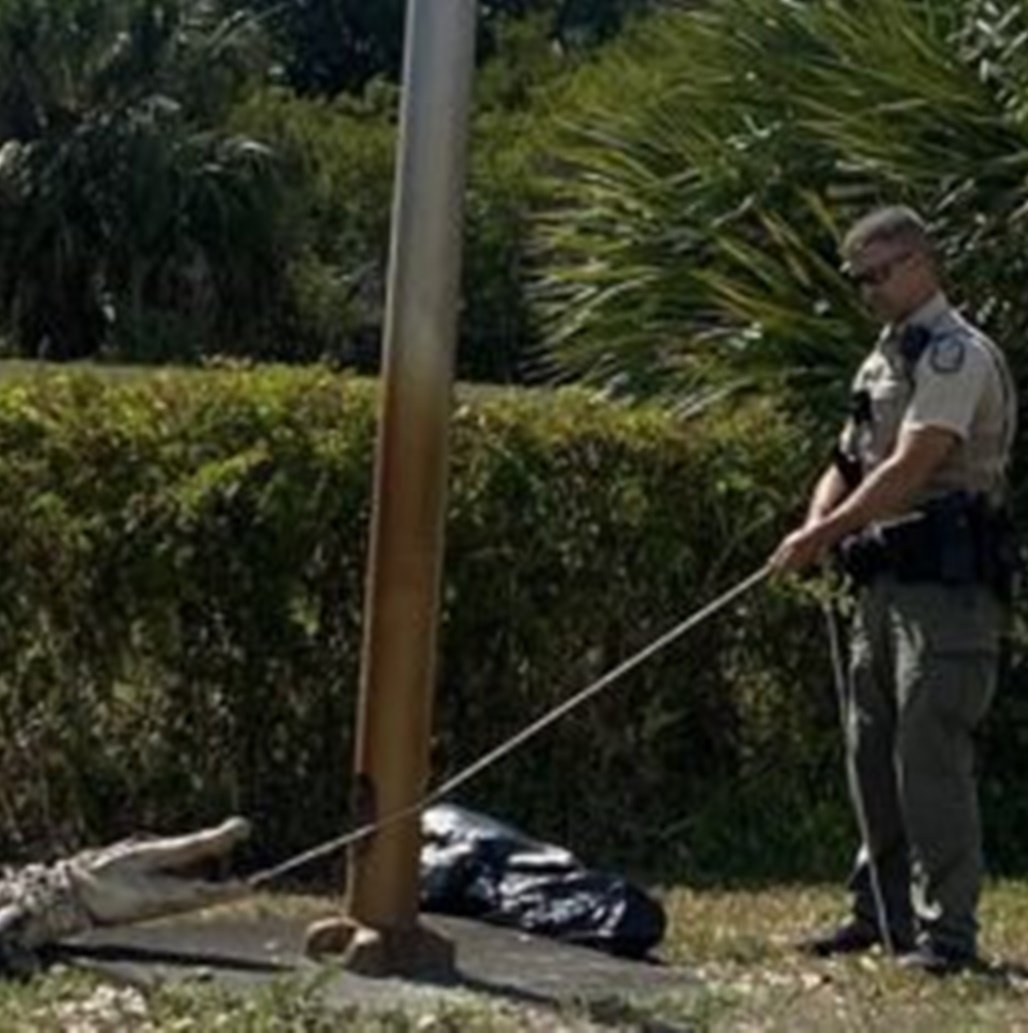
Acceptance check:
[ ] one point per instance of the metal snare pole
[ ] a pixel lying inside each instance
(839, 677)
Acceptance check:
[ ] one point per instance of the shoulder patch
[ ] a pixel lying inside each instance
(947, 354)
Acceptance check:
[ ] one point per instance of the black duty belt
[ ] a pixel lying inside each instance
(957, 539)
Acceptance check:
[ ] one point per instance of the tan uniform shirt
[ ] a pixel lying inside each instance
(959, 382)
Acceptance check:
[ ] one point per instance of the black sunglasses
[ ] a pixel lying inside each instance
(881, 273)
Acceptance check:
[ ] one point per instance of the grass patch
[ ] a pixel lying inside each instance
(742, 946)
(739, 943)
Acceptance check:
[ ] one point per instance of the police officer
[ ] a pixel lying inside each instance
(914, 496)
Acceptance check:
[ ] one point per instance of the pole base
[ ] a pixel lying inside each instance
(418, 952)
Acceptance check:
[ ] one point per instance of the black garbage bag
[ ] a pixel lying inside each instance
(474, 865)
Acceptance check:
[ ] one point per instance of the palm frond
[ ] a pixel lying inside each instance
(700, 198)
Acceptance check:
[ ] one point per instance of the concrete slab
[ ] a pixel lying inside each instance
(246, 952)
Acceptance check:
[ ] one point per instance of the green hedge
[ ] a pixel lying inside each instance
(181, 576)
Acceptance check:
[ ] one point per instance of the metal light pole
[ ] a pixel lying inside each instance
(379, 932)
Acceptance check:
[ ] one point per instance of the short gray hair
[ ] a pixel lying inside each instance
(896, 223)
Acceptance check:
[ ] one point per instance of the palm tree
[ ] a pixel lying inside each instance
(127, 219)
(718, 155)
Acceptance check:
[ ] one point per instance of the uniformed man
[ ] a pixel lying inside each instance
(913, 504)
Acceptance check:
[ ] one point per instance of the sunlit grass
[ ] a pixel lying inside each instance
(743, 946)
(739, 943)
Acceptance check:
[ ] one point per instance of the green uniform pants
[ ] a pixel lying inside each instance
(922, 673)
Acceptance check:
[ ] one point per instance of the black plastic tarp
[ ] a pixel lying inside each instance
(474, 865)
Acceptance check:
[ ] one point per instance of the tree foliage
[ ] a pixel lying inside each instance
(701, 197)
(333, 46)
(336, 166)
(129, 219)
(329, 47)
(337, 158)
(160, 200)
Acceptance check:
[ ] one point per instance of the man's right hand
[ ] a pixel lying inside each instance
(803, 548)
